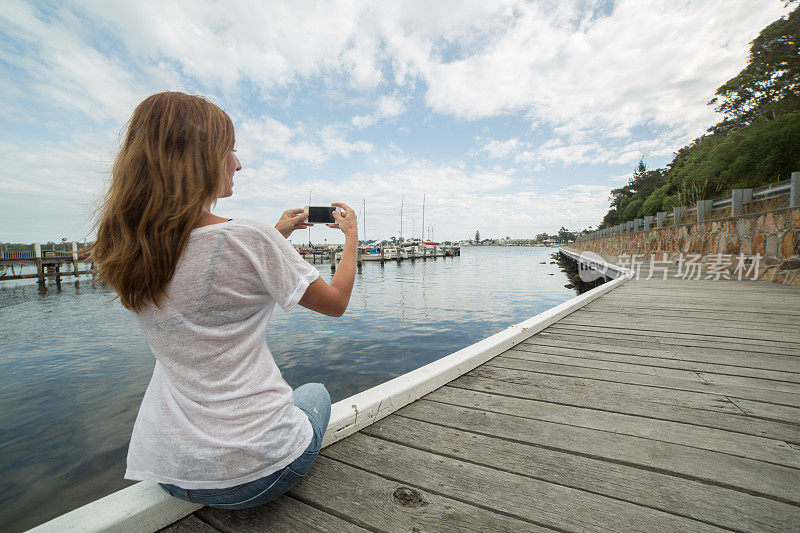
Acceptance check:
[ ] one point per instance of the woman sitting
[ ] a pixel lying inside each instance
(218, 425)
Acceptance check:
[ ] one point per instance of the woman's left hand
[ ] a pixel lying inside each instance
(292, 219)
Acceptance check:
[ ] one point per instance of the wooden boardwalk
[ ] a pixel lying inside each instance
(660, 406)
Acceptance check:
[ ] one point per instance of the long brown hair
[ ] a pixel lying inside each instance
(169, 169)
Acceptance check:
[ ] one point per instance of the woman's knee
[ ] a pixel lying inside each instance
(312, 388)
(313, 398)
(312, 393)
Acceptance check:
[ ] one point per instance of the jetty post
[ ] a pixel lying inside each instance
(37, 249)
(75, 258)
(382, 256)
(358, 257)
(412, 253)
(434, 252)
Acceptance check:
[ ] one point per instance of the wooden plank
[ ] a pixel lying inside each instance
(718, 288)
(284, 514)
(752, 301)
(631, 392)
(771, 412)
(676, 495)
(732, 332)
(704, 438)
(656, 353)
(690, 360)
(695, 306)
(679, 291)
(634, 305)
(690, 382)
(547, 504)
(711, 288)
(583, 359)
(745, 475)
(190, 524)
(632, 310)
(573, 392)
(783, 343)
(617, 393)
(694, 302)
(676, 339)
(364, 498)
(678, 288)
(750, 323)
(721, 288)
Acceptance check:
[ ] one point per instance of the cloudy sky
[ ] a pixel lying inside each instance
(512, 117)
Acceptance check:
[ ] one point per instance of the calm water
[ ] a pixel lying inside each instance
(74, 365)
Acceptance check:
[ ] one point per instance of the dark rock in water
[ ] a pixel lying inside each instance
(569, 286)
(542, 262)
(552, 262)
(551, 274)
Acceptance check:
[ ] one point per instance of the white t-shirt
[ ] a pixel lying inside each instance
(217, 412)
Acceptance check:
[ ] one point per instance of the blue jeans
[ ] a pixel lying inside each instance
(315, 402)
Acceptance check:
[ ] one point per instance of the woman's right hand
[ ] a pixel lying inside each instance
(332, 299)
(345, 221)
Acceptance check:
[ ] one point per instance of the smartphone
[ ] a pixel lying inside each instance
(321, 214)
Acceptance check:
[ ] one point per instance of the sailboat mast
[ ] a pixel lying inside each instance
(309, 206)
(364, 218)
(401, 215)
(423, 217)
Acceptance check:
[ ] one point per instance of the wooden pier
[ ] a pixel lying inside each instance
(314, 255)
(662, 405)
(47, 263)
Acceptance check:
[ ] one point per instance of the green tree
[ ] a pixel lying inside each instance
(564, 233)
(477, 236)
(770, 83)
(627, 201)
(754, 144)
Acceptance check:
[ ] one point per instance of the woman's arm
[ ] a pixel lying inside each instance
(332, 299)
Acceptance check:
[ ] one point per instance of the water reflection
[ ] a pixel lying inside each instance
(74, 364)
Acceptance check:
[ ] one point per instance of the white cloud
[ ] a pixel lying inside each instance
(500, 149)
(594, 77)
(570, 67)
(363, 121)
(648, 62)
(334, 141)
(557, 151)
(388, 107)
(64, 70)
(262, 137)
(266, 137)
(458, 200)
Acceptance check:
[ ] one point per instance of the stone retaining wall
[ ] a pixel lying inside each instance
(774, 235)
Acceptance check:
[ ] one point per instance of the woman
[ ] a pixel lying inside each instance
(218, 425)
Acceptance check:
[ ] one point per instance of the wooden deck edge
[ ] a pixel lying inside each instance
(145, 507)
(596, 261)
